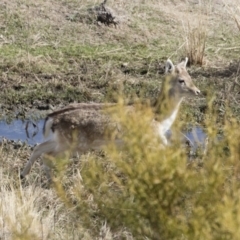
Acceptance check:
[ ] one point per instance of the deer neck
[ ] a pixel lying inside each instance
(167, 105)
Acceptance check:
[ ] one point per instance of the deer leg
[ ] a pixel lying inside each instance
(45, 147)
(48, 171)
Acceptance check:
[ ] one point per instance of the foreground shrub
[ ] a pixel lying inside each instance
(154, 192)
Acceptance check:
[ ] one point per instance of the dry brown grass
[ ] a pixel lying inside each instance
(195, 44)
(233, 11)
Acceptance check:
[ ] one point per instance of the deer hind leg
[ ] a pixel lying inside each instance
(48, 162)
(43, 148)
(48, 171)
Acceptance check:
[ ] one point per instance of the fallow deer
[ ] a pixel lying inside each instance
(82, 126)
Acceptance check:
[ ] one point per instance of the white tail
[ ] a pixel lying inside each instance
(82, 127)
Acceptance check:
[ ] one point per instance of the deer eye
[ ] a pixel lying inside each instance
(181, 81)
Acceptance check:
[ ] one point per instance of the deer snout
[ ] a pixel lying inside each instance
(197, 91)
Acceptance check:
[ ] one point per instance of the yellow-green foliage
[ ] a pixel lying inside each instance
(154, 192)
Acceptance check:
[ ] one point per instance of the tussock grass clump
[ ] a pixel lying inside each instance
(195, 43)
(22, 216)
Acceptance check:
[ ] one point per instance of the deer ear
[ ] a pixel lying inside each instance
(169, 67)
(183, 63)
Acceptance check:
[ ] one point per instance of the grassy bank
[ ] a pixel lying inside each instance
(52, 54)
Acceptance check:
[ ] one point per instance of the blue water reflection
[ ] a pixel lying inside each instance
(31, 132)
(27, 131)
(196, 137)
